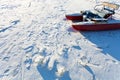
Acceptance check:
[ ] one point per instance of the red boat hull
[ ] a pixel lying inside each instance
(96, 27)
(74, 17)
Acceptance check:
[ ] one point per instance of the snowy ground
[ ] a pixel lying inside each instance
(36, 43)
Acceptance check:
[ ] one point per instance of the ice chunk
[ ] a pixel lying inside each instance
(60, 70)
(38, 59)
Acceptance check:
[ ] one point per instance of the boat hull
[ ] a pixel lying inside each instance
(96, 27)
(74, 17)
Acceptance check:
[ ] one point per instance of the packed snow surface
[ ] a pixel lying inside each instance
(37, 43)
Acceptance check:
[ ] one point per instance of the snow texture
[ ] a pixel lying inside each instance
(37, 43)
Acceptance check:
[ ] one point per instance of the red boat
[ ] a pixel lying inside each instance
(79, 16)
(89, 21)
(74, 17)
(96, 26)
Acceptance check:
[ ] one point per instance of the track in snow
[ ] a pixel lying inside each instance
(35, 44)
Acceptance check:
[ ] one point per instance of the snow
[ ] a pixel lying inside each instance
(37, 43)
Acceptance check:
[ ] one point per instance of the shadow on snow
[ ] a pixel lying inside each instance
(108, 41)
(51, 74)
